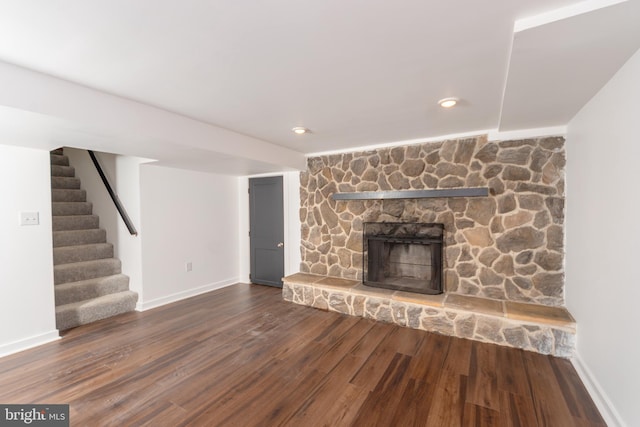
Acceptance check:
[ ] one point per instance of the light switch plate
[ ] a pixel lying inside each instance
(29, 218)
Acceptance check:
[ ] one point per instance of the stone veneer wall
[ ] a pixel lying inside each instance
(507, 246)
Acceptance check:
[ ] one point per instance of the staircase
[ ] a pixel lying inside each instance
(89, 285)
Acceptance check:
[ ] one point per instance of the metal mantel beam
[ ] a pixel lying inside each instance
(413, 194)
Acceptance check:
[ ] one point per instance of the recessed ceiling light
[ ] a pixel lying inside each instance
(299, 130)
(448, 102)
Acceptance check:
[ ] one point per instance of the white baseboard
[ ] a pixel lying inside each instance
(600, 398)
(27, 343)
(157, 302)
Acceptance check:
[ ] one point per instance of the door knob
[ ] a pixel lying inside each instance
(281, 244)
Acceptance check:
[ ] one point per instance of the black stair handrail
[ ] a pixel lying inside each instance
(114, 196)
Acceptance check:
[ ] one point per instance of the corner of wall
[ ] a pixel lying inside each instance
(599, 396)
(601, 280)
(29, 342)
(190, 223)
(27, 301)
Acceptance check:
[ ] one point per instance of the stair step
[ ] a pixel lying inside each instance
(76, 271)
(57, 170)
(75, 222)
(79, 253)
(65, 182)
(59, 195)
(78, 237)
(83, 312)
(59, 159)
(83, 290)
(88, 282)
(71, 208)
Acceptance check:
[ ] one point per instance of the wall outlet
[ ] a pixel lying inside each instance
(188, 266)
(29, 218)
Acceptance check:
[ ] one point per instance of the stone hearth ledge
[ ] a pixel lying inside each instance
(532, 327)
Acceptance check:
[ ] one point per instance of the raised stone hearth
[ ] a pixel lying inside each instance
(543, 329)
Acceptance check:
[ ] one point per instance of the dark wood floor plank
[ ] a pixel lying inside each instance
(314, 405)
(575, 393)
(426, 366)
(482, 385)
(339, 411)
(242, 356)
(337, 395)
(480, 416)
(376, 364)
(369, 342)
(516, 410)
(341, 346)
(200, 359)
(238, 367)
(409, 340)
(336, 329)
(447, 408)
(415, 403)
(387, 393)
(263, 400)
(148, 415)
(458, 357)
(511, 374)
(448, 405)
(550, 405)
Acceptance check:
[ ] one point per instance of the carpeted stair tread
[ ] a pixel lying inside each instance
(83, 290)
(59, 159)
(68, 195)
(68, 171)
(65, 182)
(89, 285)
(78, 237)
(75, 222)
(79, 253)
(76, 271)
(71, 208)
(83, 312)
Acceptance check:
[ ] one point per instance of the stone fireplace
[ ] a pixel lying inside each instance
(506, 246)
(403, 256)
(502, 252)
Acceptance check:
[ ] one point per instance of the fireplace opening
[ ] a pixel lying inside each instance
(403, 256)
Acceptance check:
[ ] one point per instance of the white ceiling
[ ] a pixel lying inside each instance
(357, 73)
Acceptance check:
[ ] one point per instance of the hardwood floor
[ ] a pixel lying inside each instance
(241, 356)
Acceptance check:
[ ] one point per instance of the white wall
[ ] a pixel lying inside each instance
(27, 307)
(292, 225)
(187, 217)
(123, 172)
(126, 181)
(292, 228)
(603, 232)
